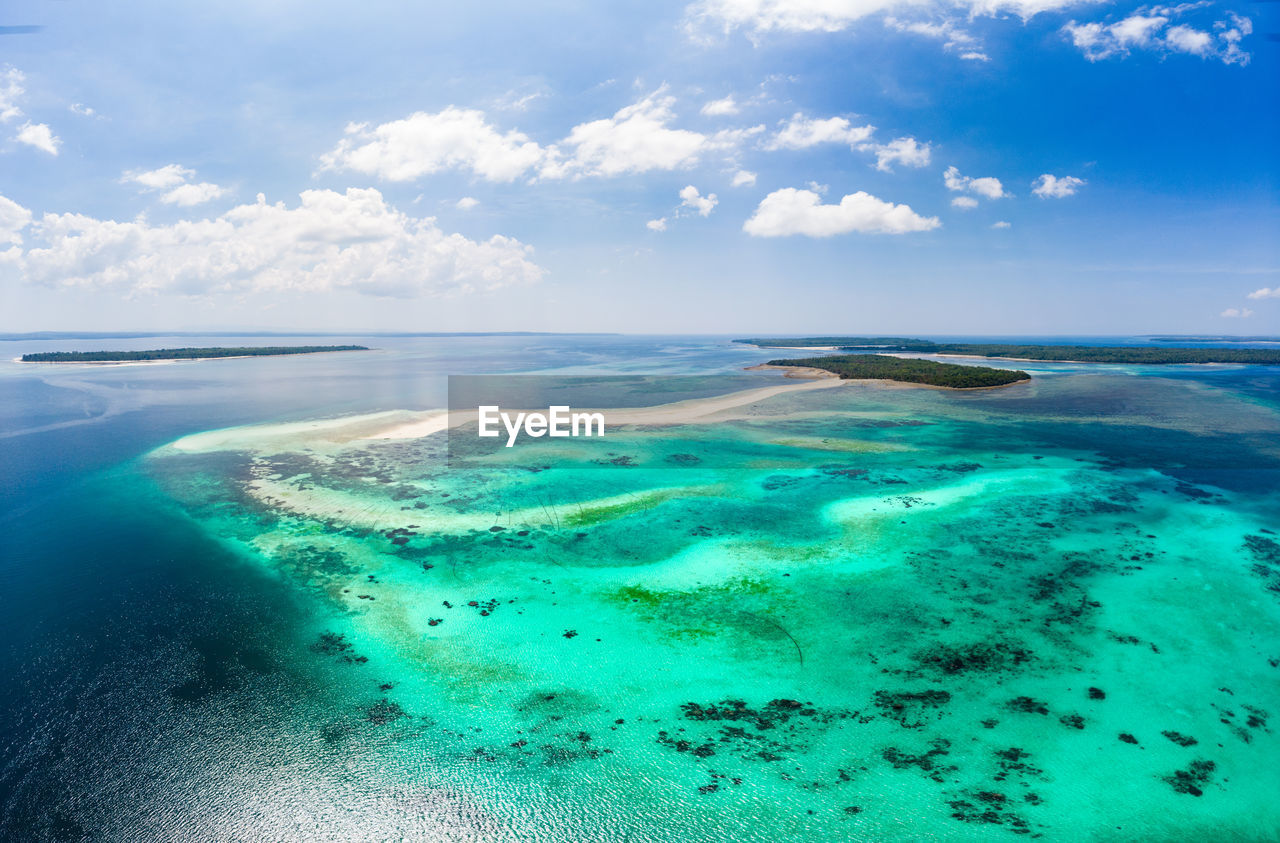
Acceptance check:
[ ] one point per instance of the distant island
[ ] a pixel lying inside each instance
(908, 370)
(1214, 339)
(180, 353)
(1047, 353)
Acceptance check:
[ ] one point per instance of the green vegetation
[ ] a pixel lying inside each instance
(1114, 354)
(846, 343)
(179, 353)
(1048, 353)
(909, 370)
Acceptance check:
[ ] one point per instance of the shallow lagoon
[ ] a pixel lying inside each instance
(1049, 610)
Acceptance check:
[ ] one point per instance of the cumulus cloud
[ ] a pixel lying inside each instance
(743, 178)
(187, 195)
(37, 135)
(11, 91)
(964, 203)
(170, 175)
(1266, 293)
(81, 109)
(1053, 187)
(1236, 313)
(692, 199)
(637, 139)
(792, 211)
(1150, 29)
(691, 202)
(721, 108)
(1000, 224)
(172, 178)
(987, 186)
(40, 136)
(1186, 39)
(466, 203)
(13, 218)
(801, 132)
(329, 241)
(905, 151)
(425, 143)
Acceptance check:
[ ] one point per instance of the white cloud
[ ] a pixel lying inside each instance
(172, 178)
(1231, 34)
(13, 218)
(466, 203)
(659, 224)
(906, 151)
(170, 175)
(1149, 29)
(964, 203)
(40, 136)
(987, 186)
(424, 143)
(1266, 293)
(1053, 187)
(690, 198)
(743, 178)
(1000, 224)
(1236, 313)
(791, 211)
(721, 108)
(952, 36)
(1186, 39)
(81, 109)
(187, 195)
(11, 91)
(516, 101)
(637, 139)
(801, 132)
(329, 241)
(758, 17)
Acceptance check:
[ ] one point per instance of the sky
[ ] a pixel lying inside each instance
(703, 166)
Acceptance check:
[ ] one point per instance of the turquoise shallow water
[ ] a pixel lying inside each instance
(860, 613)
(905, 614)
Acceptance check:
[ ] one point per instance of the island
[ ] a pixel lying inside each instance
(908, 370)
(1034, 353)
(180, 353)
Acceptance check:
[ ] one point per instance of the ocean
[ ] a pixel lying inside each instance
(871, 613)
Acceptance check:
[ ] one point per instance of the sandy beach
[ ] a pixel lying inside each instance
(411, 424)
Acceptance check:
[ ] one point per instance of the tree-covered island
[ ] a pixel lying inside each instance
(1046, 353)
(180, 353)
(908, 370)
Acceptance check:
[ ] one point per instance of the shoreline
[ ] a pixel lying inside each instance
(400, 425)
(171, 359)
(803, 372)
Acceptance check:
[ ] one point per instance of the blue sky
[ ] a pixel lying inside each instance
(975, 166)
